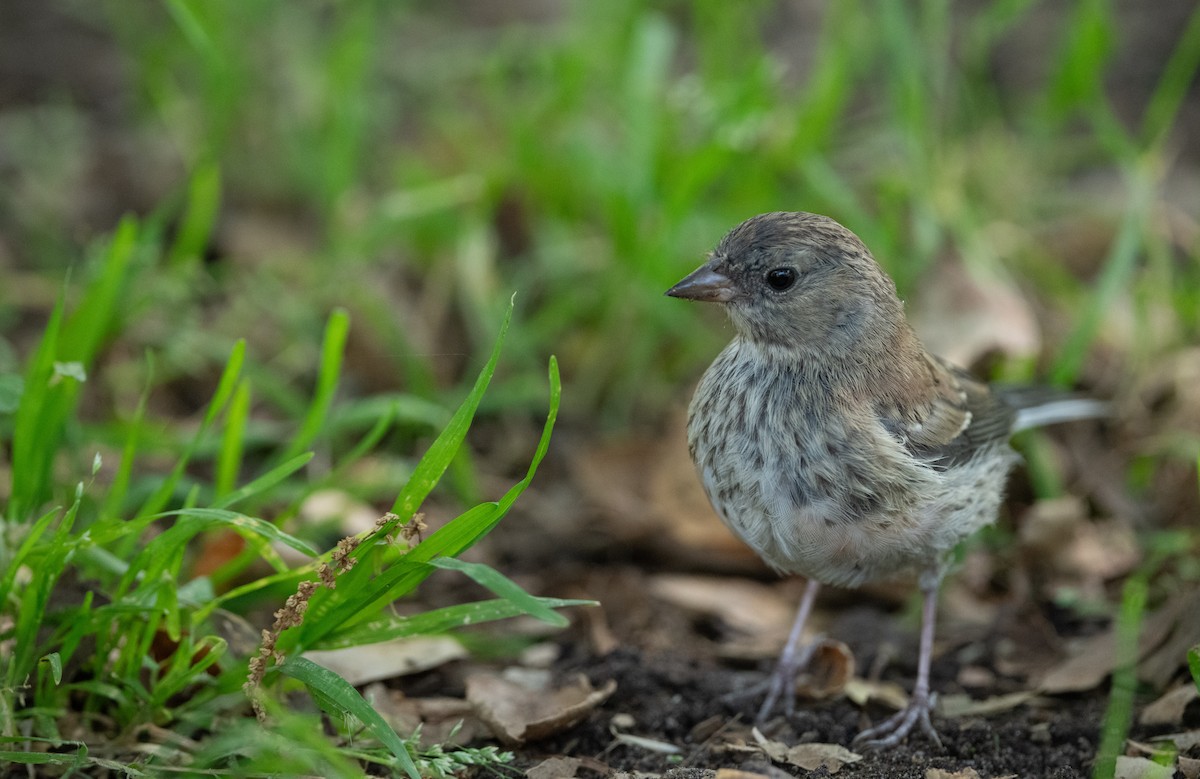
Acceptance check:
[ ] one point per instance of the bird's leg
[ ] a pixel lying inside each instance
(791, 659)
(893, 730)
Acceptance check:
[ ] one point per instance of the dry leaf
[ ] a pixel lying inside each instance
(733, 773)
(437, 717)
(810, 757)
(965, 313)
(745, 606)
(1168, 710)
(556, 768)
(386, 659)
(1074, 552)
(1189, 767)
(1141, 768)
(941, 773)
(830, 668)
(957, 706)
(1160, 665)
(1093, 659)
(647, 492)
(1184, 742)
(862, 691)
(563, 767)
(519, 712)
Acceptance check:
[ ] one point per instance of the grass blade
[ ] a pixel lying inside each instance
(445, 446)
(437, 621)
(503, 586)
(332, 350)
(339, 697)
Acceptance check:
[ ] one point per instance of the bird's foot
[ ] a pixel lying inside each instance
(895, 728)
(781, 686)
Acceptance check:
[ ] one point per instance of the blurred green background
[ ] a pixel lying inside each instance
(417, 163)
(377, 179)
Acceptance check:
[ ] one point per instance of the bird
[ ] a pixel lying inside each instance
(832, 443)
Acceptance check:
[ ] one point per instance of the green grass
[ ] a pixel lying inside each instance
(98, 652)
(346, 197)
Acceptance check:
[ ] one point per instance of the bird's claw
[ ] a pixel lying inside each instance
(895, 728)
(782, 684)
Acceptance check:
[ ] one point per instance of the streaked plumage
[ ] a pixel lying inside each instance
(828, 439)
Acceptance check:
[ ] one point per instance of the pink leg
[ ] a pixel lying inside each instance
(791, 660)
(894, 729)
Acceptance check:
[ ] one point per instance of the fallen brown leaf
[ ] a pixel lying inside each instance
(963, 313)
(563, 767)
(1168, 709)
(437, 717)
(386, 659)
(862, 691)
(521, 711)
(1091, 660)
(733, 773)
(956, 706)
(830, 668)
(745, 606)
(941, 773)
(810, 756)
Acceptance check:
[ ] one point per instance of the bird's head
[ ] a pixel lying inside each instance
(794, 280)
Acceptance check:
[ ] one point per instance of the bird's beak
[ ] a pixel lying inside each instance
(706, 285)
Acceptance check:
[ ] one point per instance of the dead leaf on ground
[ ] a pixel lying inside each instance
(1189, 767)
(1076, 553)
(1184, 742)
(863, 691)
(524, 710)
(437, 717)
(647, 492)
(386, 659)
(1091, 660)
(941, 773)
(747, 607)
(1168, 709)
(958, 706)
(964, 313)
(830, 668)
(810, 756)
(733, 773)
(1141, 768)
(563, 767)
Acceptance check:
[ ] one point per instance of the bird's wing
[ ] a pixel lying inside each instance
(959, 416)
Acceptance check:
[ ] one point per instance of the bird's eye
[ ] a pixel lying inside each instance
(780, 279)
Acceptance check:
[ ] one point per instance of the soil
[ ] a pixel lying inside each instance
(675, 687)
(682, 701)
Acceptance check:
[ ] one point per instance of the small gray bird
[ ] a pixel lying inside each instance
(831, 442)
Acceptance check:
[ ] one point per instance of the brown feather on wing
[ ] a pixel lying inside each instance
(960, 417)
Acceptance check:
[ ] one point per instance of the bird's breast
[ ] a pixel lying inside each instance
(814, 486)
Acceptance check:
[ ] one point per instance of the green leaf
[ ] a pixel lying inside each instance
(437, 621)
(333, 348)
(1193, 658)
(229, 458)
(203, 202)
(362, 593)
(331, 690)
(445, 446)
(225, 389)
(266, 481)
(506, 588)
(54, 660)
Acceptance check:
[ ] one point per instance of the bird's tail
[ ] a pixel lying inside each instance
(1039, 406)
